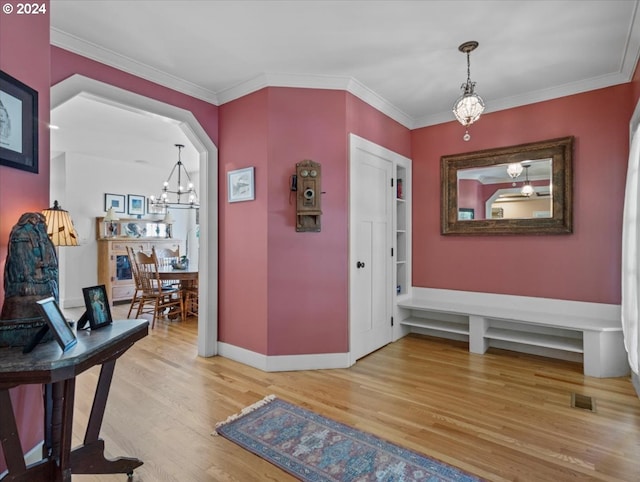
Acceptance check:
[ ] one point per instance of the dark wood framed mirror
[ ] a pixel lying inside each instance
(523, 189)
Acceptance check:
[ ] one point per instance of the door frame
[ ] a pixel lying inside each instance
(208, 160)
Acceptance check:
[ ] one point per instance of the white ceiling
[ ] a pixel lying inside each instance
(400, 56)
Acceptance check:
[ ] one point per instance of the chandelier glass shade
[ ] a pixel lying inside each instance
(514, 169)
(469, 106)
(527, 188)
(183, 195)
(60, 227)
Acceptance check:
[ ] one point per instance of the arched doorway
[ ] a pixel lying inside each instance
(208, 162)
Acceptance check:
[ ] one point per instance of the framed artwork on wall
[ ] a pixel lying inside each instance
(115, 201)
(18, 124)
(136, 205)
(241, 185)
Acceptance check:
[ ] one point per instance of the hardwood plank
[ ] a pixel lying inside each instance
(502, 416)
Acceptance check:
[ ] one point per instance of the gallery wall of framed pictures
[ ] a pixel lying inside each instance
(131, 204)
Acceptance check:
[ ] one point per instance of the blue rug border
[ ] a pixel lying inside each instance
(445, 471)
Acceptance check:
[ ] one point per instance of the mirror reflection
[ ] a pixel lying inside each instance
(517, 190)
(522, 189)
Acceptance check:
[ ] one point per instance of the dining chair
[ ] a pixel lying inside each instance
(155, 298)
(166, 259)
(191, 299)
(135, 300)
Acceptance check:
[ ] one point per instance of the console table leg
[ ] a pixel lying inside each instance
(99, 402)
(89, 457)
(9, 435)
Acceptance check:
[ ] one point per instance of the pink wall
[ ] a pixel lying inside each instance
(307, 276)
(24, 54)
(583, 266)
(304, 275)
(243, 262)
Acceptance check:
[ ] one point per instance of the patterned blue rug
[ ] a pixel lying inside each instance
(314, 448)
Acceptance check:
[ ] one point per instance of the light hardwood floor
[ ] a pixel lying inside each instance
(501, 416)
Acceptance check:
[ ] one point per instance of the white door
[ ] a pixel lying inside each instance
(370, 268)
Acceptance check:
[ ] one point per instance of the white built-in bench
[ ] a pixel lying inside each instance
(573, 330)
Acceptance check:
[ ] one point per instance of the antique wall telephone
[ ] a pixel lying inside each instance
(306, 184)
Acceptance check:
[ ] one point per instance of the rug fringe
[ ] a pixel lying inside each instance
(243, 412)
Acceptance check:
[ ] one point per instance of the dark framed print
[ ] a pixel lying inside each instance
(115, 201)
(62, 332)
(136, 205)
(18, 124)
(97, 306)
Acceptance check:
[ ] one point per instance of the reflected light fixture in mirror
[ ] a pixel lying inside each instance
(527, 188)
(469, 106)
(514, 170)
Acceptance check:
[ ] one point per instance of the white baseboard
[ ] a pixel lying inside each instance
(72, 302)
(31, 457)
(283, 363)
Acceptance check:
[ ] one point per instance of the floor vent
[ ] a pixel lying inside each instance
(583, 401)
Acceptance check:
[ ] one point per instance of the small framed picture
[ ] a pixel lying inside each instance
(241, 185)
(115, 201)
(136, 205)
(97, 306)
(18, 124)
(62, 332)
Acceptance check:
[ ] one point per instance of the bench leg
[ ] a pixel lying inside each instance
(604, 354)
(477, 328)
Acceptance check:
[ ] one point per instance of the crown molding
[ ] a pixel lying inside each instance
(108, 57)
(105, 56)
(495, 105)
(327, 82)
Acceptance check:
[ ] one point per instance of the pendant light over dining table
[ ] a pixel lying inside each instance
(182, 196)
(469, 106)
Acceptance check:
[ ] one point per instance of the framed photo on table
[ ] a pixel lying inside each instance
(57, 323)
(18, 124)
(97, 306)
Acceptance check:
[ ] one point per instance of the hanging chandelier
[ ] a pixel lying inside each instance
(181, 197)
(469, 105)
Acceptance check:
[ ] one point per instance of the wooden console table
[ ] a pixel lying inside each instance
(47, 365)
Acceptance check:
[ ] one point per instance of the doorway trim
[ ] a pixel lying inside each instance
(208, 161)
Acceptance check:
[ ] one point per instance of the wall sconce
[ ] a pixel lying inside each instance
(110, 219)
(59, 226)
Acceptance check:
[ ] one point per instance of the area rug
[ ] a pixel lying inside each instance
(314, 448)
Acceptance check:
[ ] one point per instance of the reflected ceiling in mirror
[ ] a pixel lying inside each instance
(518, 190)
(524, 189)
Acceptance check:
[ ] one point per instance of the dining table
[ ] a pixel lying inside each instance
(188, 279)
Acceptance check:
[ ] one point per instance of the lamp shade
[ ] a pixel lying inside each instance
(168, 218)
(59, 226)
(111, 216)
